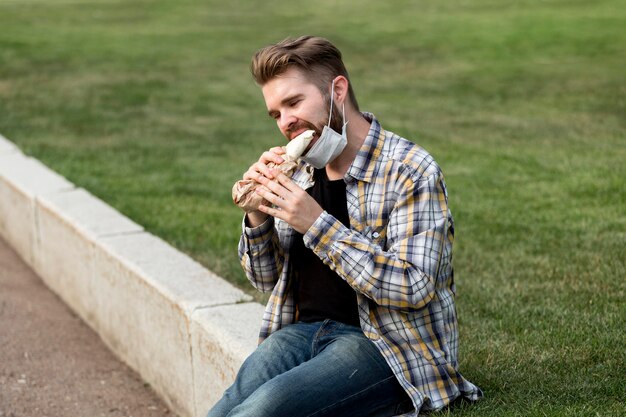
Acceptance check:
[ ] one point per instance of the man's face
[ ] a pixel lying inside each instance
(296, 104)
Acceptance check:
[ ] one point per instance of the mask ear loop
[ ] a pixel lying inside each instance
(332, 96)
(343, 105)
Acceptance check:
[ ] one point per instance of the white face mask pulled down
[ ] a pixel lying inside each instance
(330, 143)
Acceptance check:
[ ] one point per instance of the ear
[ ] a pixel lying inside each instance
(341, 89)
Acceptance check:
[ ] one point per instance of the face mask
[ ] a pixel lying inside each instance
(330, 143)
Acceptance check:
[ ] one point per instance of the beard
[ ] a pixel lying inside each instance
(336, 123)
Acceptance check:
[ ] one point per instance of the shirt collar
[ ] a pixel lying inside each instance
(362, 168)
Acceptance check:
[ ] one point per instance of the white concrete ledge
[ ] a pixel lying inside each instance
(182, 328)
(23, 180)
(220, 338)
(7, 146)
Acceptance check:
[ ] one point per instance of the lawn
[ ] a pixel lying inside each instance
(150, 106)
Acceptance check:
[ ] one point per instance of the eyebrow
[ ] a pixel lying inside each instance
(287, 99)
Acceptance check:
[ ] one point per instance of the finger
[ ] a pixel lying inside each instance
(278, 150)
(253, 174)
(271, 211)
(272, 156)
(268, 195)
(264, 170)
(260, 169)
(275, 188)
(285, 181)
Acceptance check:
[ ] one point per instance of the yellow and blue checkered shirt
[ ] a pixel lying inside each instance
(397, 255)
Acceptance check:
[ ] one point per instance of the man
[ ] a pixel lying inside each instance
(356, 248)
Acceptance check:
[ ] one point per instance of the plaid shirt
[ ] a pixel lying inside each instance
(397, 255)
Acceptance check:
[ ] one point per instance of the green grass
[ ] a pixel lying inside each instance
(150, 106)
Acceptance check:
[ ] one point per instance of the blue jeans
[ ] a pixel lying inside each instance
(314, 369)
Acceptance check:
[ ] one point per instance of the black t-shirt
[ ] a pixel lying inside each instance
(321, 293)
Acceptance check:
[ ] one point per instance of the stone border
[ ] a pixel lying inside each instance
(185, 330)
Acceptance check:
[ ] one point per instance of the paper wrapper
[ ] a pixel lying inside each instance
(243, 192)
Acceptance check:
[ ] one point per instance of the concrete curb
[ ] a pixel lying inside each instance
(185, 330)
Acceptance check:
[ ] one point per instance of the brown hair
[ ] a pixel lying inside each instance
(317, 57)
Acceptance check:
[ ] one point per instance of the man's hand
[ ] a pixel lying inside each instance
(260, 170)
(291, 203)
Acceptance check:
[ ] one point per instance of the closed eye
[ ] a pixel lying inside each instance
(274, 114)
(291, 101)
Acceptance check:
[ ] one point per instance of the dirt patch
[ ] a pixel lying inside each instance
(54, 365)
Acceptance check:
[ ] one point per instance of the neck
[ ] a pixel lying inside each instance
(357, 129)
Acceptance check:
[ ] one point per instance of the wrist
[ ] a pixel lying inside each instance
(255, 218)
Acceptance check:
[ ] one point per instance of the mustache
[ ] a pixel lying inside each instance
(304, 125)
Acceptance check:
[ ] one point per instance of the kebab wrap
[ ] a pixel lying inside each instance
(244, 195)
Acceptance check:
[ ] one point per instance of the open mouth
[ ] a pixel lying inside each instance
(303, 128)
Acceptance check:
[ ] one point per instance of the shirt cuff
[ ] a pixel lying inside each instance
(322, 233)
(257, 235)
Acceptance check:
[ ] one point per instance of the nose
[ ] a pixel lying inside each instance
(286, 121)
